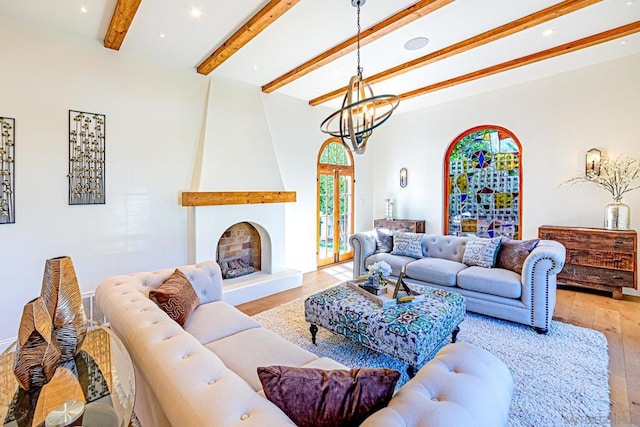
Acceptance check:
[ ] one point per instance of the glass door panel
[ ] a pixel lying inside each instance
(326, 218)
(335, 203)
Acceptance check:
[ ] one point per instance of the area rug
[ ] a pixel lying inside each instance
(560, 379)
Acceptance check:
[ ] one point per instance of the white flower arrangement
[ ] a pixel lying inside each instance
(380, 269)
(617, 176)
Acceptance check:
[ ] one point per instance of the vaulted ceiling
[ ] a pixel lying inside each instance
(306, 48)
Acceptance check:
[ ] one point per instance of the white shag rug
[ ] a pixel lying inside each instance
(560, 379)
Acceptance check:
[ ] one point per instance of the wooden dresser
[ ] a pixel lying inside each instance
(597, 258)
(410, 225)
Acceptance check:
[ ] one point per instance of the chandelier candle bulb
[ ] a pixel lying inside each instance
(361, 110)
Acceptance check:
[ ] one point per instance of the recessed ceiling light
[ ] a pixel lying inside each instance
(84, 10)
(416, 43)
(623, 42)
(161, 35)
(196, 12)
(630, 2)
(255, 67)
(547, 32)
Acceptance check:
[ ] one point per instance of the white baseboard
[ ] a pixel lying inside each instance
(258, 285)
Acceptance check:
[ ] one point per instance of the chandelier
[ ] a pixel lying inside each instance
(361, 111)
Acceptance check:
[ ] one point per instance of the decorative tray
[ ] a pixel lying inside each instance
(385, 299)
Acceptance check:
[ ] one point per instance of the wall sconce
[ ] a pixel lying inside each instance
(592, 162)
(403, 177)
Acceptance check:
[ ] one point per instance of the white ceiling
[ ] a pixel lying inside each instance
(313, 26)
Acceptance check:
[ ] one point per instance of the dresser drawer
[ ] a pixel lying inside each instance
(604, 259)
(408, 225)
(602, 276)
(598, 240)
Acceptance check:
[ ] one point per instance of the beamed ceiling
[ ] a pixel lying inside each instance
(306, 48)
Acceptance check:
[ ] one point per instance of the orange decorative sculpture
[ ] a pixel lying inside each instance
(38, 354)
(61, 294)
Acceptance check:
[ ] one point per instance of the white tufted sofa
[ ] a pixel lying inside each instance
(528, 298)
(205, 374)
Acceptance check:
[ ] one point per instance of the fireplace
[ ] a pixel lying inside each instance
(239, 250)
(209, 223)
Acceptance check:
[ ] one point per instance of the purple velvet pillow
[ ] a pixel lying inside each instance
(176, 297)
(321, 398)
(384, 240)
(513, 253)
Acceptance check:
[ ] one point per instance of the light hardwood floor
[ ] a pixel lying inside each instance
(619, 320)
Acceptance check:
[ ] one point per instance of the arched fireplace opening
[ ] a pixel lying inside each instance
(239, 250)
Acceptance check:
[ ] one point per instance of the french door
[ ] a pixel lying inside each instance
(335, 203)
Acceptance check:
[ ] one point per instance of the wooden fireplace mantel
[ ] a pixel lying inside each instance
(215, 198)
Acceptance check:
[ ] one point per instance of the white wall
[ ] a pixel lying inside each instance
(154, 122)
(295, 127)
(153, 119)
(557, 119)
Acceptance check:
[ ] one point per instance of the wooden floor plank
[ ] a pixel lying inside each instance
(619, 320)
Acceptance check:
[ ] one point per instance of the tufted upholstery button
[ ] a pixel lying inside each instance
(244, 417)
(186, 356)
(191, 277)
(435, 399)
(211, 382)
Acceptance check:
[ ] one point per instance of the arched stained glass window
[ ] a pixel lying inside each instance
(483, 183)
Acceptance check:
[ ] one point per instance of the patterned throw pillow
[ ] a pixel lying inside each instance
(384, 240)
(176, 297)
(513, 253)
(481, 252)
(407, 244)
(320, 398)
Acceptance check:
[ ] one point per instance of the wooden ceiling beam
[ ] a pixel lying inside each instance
(573, 46)
(492, 35)
(400, 19)
(254, 26)
(121, 20)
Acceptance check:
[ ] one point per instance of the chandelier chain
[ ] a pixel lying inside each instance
(358, 44)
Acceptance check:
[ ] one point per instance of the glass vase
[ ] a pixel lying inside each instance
(617, 216)
(389, 208)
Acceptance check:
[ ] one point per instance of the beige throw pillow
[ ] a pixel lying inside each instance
(481, 251)
(407, 244)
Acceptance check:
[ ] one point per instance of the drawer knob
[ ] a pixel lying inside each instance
(617, 277)
(618, 242)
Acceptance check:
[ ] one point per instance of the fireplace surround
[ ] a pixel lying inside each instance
(206, 224)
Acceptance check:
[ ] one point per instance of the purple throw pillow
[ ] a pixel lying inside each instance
(328, 398)
(176, 297)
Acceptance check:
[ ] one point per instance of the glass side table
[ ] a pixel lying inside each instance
(100, 377)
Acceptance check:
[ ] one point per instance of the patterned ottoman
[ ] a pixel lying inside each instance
(410, 332)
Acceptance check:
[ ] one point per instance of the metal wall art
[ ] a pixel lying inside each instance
(86, 158)
(7, 170)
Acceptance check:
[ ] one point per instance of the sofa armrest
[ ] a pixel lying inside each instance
(189, 384)
(538, 278)
(462, 385)
(364, 245)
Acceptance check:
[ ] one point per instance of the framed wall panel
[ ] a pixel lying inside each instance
(7, 170)
(86, 158)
